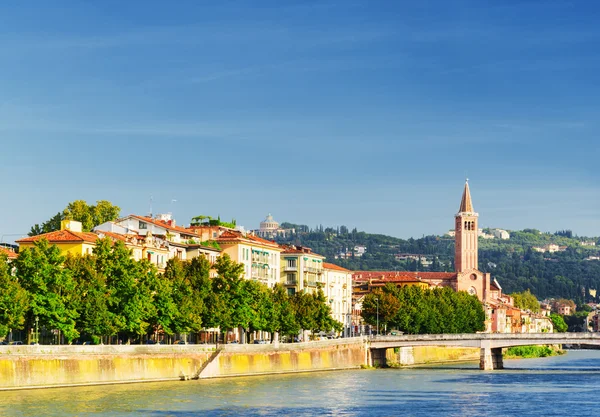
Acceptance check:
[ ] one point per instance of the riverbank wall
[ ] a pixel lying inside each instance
(44, 366)
(423, 355)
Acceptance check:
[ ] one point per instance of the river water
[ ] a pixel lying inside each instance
(558, 386)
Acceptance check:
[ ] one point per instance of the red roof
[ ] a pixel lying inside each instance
(10, 253)
(62, 236)
(162, 223)
(393, 275)
(113, 235)
(335, 267)
(235, 236)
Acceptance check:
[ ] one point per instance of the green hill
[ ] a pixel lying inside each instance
(567, 273)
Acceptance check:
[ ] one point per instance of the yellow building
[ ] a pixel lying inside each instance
(69, 239)
(260, 257)
(302, 270)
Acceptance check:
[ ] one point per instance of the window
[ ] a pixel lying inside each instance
(291, 263)
(143, 225)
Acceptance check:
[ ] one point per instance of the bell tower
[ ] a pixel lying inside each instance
(465, 226)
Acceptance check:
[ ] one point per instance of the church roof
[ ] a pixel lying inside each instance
(402, 275)
(466, 205)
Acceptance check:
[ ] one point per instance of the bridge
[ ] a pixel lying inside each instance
(491, 344)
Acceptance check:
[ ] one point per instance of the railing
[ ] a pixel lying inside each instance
(291, 282)
(313, 270)
(290, 269)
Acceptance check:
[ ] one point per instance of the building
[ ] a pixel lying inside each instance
(270, 229)
(467, 276)
(154, 249)
(9, 252)
(260, 257)
(501, 315)
(163, 226)
(501, 234)
(302, 269)
(338, 291)
(550, 247)
(69, 239)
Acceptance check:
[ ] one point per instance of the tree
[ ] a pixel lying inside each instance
(419, 311)
(283, 320)
(89, 216)
(559, 323)
(130, 285)
(91, 298)
(526, 301)
(381, 304)
(50, 287)
(14, 300)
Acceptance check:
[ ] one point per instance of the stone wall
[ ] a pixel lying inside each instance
(46, 366)
(421, 355)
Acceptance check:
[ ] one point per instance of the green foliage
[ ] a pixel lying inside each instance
(559, 323)
(51, 288)
(108, 293)
(512, 261)
(531, 352)
(89, 216)
(14, 300)
(414, 310)
(209, 221)
(211, 244)
(526, 301)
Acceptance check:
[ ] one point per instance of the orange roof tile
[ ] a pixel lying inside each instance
(235, 236)
(366, 275)
(162, 223)
(62, 236)
(118, 236)
(327, 265)
(10, 253)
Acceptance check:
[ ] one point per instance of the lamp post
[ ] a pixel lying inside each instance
(377, 301)
(37, 333)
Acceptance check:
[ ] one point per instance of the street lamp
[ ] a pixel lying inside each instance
(37, 333)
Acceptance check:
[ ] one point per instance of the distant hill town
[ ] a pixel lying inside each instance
(557, 264)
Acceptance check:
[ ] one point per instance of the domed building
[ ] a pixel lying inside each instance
(269, 229)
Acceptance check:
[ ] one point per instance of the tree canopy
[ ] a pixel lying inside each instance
(525, 300)
(79, 210)
(108, 293)
(414, 310)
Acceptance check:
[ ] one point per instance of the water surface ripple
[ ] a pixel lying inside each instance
(566, 385)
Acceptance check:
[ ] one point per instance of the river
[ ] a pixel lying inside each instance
(557, 386)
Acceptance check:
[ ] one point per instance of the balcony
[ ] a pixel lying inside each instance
(290, 269)
(313, 270)
(291, 282)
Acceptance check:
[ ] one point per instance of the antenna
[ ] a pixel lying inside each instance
(150, 214)
(172, 201)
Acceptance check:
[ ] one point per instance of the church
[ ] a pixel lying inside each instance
(467, 276)
(501, 315)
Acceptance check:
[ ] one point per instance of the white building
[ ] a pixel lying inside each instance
(501, 234)
(269, 229)
(338, 290)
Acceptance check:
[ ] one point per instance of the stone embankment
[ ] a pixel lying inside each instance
(51, 366)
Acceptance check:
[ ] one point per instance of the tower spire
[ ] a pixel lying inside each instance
(466, 205)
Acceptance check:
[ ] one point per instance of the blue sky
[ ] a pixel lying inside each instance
(367, 114)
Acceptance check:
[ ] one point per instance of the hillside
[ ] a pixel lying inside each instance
(567, 273)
